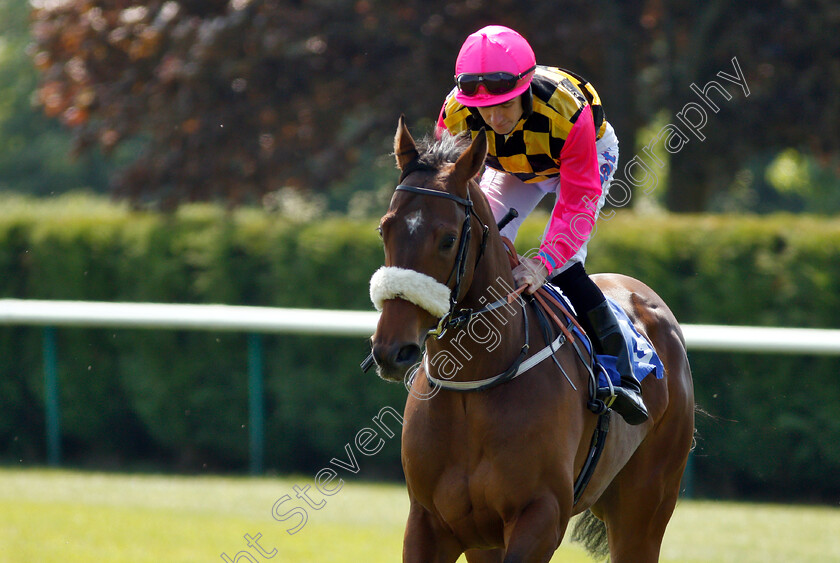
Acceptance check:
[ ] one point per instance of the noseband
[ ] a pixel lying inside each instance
(460, 265)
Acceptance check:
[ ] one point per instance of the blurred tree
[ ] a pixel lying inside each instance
(789, 54)
(237, 98)
(34, 150)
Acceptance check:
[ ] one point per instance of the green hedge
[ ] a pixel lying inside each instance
(178, 399)
(773, 421)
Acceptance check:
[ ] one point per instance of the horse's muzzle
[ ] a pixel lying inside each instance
(393, 360)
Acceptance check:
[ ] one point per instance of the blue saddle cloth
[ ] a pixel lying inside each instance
(643, 356)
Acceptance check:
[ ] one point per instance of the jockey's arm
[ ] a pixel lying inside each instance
(573, 217)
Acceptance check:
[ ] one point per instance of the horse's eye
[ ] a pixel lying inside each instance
(379, 230)
(448, 242)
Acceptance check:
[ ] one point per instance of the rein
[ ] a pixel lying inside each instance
(455, 320)
(460, 266)
(517, 368)
(520, 365)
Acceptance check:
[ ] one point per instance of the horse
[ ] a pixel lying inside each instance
(490, 463)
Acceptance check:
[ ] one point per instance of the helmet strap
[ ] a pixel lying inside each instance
(477, 115)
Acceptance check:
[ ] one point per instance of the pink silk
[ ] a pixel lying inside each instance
(573, 217)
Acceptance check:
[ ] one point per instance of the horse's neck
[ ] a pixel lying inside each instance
(492, 272)
(492, 277)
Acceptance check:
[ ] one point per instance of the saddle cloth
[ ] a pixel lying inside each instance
(643, 356)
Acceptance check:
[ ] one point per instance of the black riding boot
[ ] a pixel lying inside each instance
(628, 398)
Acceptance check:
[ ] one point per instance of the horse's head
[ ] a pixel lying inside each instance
(431, 246)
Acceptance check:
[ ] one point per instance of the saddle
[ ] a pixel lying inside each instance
(643, 358)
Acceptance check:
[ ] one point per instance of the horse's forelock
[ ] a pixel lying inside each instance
(433, 153)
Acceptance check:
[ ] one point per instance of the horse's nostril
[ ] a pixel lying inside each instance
(395, 357)
(377, 356)
(408, 354)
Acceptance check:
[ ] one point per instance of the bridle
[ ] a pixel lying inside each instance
(450, 319)
(520, 365)
(456, 319)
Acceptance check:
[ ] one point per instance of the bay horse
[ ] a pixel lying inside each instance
(490, 462)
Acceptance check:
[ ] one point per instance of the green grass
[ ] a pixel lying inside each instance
(66, 516)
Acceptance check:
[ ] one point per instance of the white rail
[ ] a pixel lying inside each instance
(186, 317)
(762, 339)
(253, 320)
(356, 323)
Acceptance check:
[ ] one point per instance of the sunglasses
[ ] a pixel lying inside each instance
(494, 82)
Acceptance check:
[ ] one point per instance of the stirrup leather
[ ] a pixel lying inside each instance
(609, 400)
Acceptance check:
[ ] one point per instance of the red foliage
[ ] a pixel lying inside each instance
(237, 98)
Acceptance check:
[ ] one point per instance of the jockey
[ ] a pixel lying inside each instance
(547, 133)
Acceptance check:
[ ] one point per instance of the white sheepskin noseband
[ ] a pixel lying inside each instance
(420, 289)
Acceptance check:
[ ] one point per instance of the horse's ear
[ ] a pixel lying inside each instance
(472, 160)
(405, 150)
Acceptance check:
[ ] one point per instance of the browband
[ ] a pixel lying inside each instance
(437, 193)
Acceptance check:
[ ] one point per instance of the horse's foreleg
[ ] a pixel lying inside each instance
(426, 541)
(536, 534)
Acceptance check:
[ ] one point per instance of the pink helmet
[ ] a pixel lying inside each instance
(495, 65)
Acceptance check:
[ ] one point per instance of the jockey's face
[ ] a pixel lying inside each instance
(503, 117)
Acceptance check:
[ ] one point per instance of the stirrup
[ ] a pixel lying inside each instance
(625, 402)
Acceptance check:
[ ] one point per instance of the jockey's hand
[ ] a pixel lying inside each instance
(531, 272)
